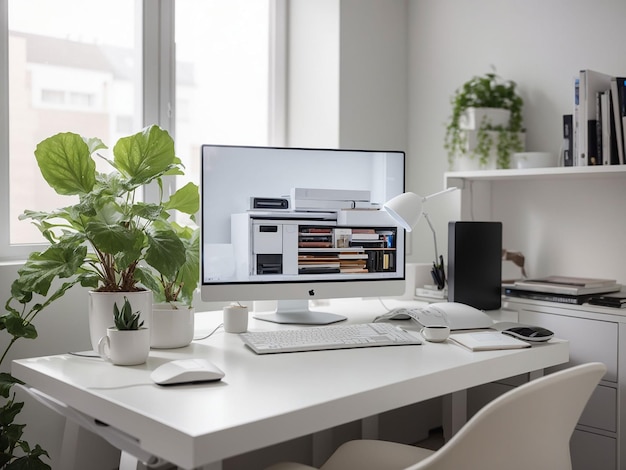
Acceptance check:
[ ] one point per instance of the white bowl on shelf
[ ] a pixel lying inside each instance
(533, 160)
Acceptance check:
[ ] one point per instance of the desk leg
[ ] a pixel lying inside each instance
(369, 427)
(82, 449)
(454, 413)
(322, 446)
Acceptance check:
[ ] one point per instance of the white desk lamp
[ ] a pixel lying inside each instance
(407, 210)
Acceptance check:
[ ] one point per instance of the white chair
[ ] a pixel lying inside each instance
(528, 427)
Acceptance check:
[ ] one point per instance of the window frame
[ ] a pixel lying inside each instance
(157, 93)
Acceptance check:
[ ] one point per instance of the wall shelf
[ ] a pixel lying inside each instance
(618, 171)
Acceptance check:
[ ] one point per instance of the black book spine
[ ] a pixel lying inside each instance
(593, 158)
(568, 140)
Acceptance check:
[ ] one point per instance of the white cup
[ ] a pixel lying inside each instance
(435, 333)
(235, 318)
(125, 347)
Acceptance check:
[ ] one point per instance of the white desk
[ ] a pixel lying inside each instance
(268, 399)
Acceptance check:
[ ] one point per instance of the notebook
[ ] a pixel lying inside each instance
(487, 341)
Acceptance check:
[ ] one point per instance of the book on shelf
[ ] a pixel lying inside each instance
(575, 120)
(314, 244)
(352, 255)
(618, 100)
(609, 139)
(568, 140)
(567, 285)
(510, 291)
(591, 83)
(613, 299)
(487, 341)
(572, 281)
(365, 236)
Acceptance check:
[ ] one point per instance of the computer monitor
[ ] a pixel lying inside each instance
(299, 224)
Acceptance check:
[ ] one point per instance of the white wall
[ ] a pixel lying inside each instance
(348, 74)
(539, 44)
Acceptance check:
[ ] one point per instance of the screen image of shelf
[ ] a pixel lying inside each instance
(292, 223)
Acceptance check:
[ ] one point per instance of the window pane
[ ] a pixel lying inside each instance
(73, 66)
(222, 50)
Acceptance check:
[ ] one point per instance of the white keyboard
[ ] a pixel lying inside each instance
(319, 338)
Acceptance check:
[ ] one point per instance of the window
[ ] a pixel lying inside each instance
(84, 75)
(222, 75)
(70, 74)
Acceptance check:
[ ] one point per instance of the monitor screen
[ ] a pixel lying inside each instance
(294, 224)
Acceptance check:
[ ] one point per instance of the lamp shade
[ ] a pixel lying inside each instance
(405, 209)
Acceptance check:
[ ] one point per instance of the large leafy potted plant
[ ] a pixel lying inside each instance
(486, 122)
(109, 240)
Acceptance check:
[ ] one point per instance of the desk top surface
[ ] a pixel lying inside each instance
(268, 399)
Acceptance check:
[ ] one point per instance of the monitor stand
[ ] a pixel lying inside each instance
(297, 312)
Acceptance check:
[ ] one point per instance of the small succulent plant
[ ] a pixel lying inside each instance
(125, 319)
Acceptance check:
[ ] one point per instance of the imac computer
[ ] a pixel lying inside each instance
(299, 224)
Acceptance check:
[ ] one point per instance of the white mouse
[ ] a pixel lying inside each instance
(186, 371)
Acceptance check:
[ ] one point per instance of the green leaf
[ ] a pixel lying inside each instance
(146, 277)
(40, 269)
(94, 144)
(189, 274)
(186, 199)
(32, 461)
(66, 164)
(166, 252)
(9, 412)
(145, 155)
(146, 211)
(19, 328)
(114, 238)
(6, 382)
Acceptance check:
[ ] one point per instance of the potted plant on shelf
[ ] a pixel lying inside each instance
(128, 342)
(486, 122)
(109, 240)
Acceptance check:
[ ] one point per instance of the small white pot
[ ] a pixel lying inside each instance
(172, 327)
(101, 311)
(125, 347)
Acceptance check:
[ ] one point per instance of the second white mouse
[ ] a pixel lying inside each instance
(186, 371)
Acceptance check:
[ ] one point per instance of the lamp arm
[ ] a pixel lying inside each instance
(426, 198)
(425, 214)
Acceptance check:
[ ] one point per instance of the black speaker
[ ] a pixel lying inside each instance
(475, 264)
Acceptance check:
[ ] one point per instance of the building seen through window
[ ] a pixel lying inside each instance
(84, 76)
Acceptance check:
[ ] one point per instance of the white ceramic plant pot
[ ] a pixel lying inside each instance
(125, 347)
(473, 118)
(172, 327)
(101, 311)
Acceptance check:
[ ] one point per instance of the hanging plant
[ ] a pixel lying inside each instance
(487, 91)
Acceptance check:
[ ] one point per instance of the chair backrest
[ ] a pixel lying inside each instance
(527, 427)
